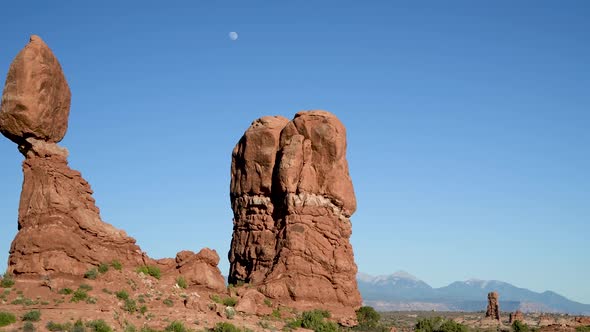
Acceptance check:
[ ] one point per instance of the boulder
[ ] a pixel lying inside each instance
(36, 97)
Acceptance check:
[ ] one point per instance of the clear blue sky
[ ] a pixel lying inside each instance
(468, 123)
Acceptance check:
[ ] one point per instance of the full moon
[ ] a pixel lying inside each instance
(233, 35)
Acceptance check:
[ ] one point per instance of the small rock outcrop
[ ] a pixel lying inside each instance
(292, 199)
(516, 316)
(493, 310)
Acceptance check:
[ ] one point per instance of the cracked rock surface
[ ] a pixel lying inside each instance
(292, 199)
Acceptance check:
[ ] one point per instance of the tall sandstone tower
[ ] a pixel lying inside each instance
(292, 199)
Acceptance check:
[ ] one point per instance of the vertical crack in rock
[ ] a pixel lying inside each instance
(292, 198)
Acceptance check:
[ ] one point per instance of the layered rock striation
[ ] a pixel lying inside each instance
(292, 199)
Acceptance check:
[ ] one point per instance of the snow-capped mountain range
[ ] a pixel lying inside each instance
(403, 291)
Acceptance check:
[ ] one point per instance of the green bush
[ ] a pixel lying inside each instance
(452, 326)
(6, 318)
(438, 324)
(582, 328)
(314, 320)
(168, 302)
(176, 326)
(215, 298)
(181, 282)
(51, 326)
(143, 309)
(103, 268)
(130, 306)
(32, 316)
(151, 270)
(91, 274)
(28, 327)
(98, 326)
(122, 295)
(85, 287)
(226, 327)
(78, 326)
(65, 291)
(79, 295)
(7, 280)
(130, 328)
(518, 326)
(230, 301)
(368, 317)
(117, 265)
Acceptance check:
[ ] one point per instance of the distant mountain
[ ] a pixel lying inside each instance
(403, 291)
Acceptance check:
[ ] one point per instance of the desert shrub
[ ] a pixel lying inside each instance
(91, 300)
(181, 282)
(428, 324)
(230, 301)
(78, 326)
(276, 313)
(91, 274)
(6, 318)
(28, 327)
(117, 265)
(85, 287)
(215, 298)
(52, 326)
(226, 327)
(130, 328)
(79, 295)
(367, 317)
(176, 326)
(268, 302)
(151, 270)
(122, 295)
(32, 316)
(98, 326)
(7, 280)
(130, 306)
(103, 268)
(452, 326)
(580, 328)
(230, 312)
(148, 329)
(143, 309)
(168, 302)
(438, 324)
(65, 291)
(518, 326)
(314, 320)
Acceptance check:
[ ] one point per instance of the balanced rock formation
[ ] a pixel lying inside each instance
(516, 316)
(60, 229)
(292, 199)
(493, 310)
